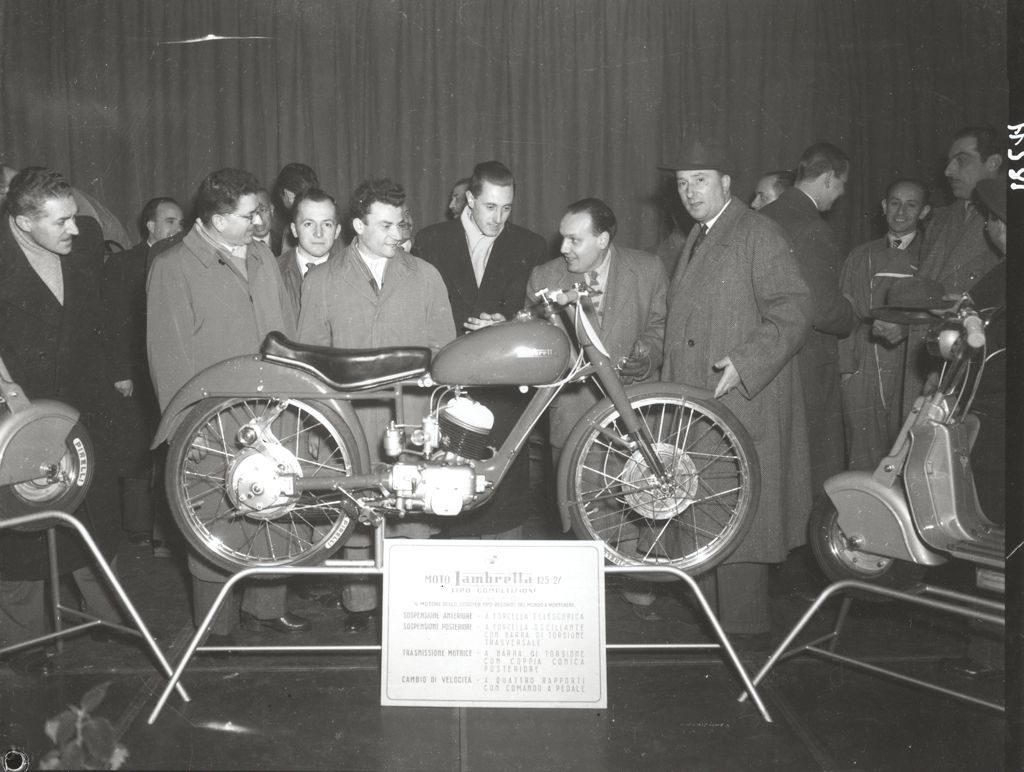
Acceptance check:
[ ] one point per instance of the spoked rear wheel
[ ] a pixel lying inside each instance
(692, 521)
(227, 470)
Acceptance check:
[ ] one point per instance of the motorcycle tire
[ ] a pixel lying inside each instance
(63, 490)
(839, 561)
(605, 487)
(210, 471)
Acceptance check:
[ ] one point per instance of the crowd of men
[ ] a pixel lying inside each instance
(755, 304)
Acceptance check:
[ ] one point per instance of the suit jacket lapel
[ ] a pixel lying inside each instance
(700, 269)
(461, 273)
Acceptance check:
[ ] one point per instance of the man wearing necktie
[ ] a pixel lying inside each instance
(315, 228)
(738, 311)
(872, 358)
(820, 180)
(955, 252)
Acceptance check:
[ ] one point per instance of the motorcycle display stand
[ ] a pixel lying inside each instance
(377, 567)
(929, 596)
(51, 520)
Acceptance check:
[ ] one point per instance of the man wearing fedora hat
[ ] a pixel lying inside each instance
(738, 311)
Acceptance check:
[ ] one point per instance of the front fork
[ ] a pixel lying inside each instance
(637, 431)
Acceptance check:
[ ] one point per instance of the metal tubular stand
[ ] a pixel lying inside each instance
(929, 596)
(376, 567)
(53, 519)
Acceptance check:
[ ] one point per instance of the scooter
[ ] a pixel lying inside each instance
(919, 507)
(46, 456)
(269, 466)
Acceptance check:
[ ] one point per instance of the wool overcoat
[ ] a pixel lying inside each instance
(819, 258)
(62, 352)
(741, 295)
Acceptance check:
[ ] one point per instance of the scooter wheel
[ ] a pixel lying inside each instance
(839, 560)
(62, 488)
(695, 519)
(228, 471)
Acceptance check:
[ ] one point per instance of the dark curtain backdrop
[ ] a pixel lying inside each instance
(578, 98)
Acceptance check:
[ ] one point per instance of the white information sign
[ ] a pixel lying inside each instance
(503, 624)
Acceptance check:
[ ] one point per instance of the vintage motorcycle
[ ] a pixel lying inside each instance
(46, 456)
(919, 506)
(269, 466)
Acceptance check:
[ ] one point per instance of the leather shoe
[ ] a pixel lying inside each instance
(358, 621)
(286, 623)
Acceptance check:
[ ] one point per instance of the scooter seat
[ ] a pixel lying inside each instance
(348, 368)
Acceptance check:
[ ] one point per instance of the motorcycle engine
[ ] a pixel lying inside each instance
(465, 427)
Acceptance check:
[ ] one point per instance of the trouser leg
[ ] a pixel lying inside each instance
(203, 595)
(738, 593)
(98, 598)
(265, 600)
(22, 611)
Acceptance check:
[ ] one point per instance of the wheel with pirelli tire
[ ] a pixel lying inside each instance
(62, 485)
(229, 472)
(692, 521)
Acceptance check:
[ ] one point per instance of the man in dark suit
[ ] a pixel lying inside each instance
(820, 180)
(53, 342)
(631, 306)
(738, 311)
(136, 413)
(315, 228)
(485, 262)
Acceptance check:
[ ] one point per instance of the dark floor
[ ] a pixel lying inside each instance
(666, 712)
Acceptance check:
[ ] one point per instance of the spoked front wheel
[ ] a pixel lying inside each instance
(693, 519)
(228, 473)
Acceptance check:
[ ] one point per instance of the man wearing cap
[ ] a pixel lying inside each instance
(821, 176)
(738, 311)
(871, 367)
(955, 251)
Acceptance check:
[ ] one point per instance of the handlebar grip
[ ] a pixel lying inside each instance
(975, 329)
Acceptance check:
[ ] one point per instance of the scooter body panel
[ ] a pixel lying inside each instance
(251, 377)
(878, 518)
(34, 436)
(940, 485)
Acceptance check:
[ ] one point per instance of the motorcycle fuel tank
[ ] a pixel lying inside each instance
(527, 352)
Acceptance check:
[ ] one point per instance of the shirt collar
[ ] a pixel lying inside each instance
(714, 219)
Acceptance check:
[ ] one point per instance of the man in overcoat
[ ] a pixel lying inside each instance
(821, 176)
(213, 296)
(315, 228)
(373, 294)
(54, 342)
(738, 311)
(485, 261)
(871, 366)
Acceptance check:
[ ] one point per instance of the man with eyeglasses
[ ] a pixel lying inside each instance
(213, 296)
(261, 227)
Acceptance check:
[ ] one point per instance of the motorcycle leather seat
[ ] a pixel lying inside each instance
(349, 369)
